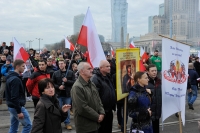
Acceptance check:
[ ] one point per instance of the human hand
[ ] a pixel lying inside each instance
(149, 91)
(66, 107)
(64, 79)
(62, 87)
(189, 90)
(20, 116)
(149, 110)
(101, 117)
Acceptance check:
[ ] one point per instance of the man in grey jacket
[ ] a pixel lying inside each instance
(87, 106)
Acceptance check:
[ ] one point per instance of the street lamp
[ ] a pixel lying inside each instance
(39, 41)
(29, 42)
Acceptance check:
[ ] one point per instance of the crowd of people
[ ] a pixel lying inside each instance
(60, 85)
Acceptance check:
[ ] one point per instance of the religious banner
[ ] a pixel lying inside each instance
(127, 61)
(175, 56)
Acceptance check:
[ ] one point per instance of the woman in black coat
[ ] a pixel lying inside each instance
(48, 116)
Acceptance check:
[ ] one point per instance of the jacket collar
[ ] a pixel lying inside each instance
(49, 105)
(152, 81)
(83, 82)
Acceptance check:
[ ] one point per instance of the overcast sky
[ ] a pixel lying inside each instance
(51, 19)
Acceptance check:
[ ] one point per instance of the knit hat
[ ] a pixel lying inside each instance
(8, 60)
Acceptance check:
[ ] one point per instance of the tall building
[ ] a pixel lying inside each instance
(119, 19)
(101, 38)
(150, 24)
(185, 16)
(78, 21)
(162, 9)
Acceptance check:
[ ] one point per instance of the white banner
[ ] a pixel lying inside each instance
(199, 54)
(175, 57)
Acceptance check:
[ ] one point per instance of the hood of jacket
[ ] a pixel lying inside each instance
(11, 74)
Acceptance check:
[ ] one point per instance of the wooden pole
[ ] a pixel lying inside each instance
(180, 123)
(175, 40)
(125, 108)
(125, 99)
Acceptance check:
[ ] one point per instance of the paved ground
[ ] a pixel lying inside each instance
(171, 124)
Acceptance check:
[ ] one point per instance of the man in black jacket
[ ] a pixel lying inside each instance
(105, 86)
(4, 46)
(15, 99)
(193, 92)
(63, 85)
(154, 88)
(50, 67)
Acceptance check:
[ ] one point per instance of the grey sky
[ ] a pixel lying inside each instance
(51, 19)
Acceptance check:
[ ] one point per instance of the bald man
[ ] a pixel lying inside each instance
(87, 106)
(103, 81)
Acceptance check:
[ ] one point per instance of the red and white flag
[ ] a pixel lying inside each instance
(19, 51)
(112, 51)
(144, 58)
(89, 37)
(69, 44)
(132, 45)
(143, 55)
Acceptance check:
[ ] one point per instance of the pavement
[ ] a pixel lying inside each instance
(171, 124)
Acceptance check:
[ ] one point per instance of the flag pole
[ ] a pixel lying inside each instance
(180, 122)
(70, 60)
(125, 99)
(179, 113)
(174, 40)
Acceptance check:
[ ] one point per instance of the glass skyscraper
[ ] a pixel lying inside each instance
(119, 19)
(78, 21)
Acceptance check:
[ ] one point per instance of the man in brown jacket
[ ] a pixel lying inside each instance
(87, 106)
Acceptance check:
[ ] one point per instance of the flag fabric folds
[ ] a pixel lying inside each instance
(69, 44)
(112, 51)
(132, 45)
(89, 37)
(19, 51)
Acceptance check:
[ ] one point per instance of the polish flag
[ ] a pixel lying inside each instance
(144, 58)
(19, 51)
(112, 51)
(89, 37)
(132, 45)
(69, 44)
(143, 55)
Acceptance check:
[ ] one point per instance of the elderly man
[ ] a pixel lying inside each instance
(6, 53)
(45, 54)
(105, 86)
(87, 106)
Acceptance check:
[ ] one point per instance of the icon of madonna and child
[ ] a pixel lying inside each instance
(128, 71)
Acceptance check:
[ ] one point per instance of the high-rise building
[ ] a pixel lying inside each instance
(101, 38)
(78, 21)
(119, 19)
(162, 9)
(150, 24)
(185, 16)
